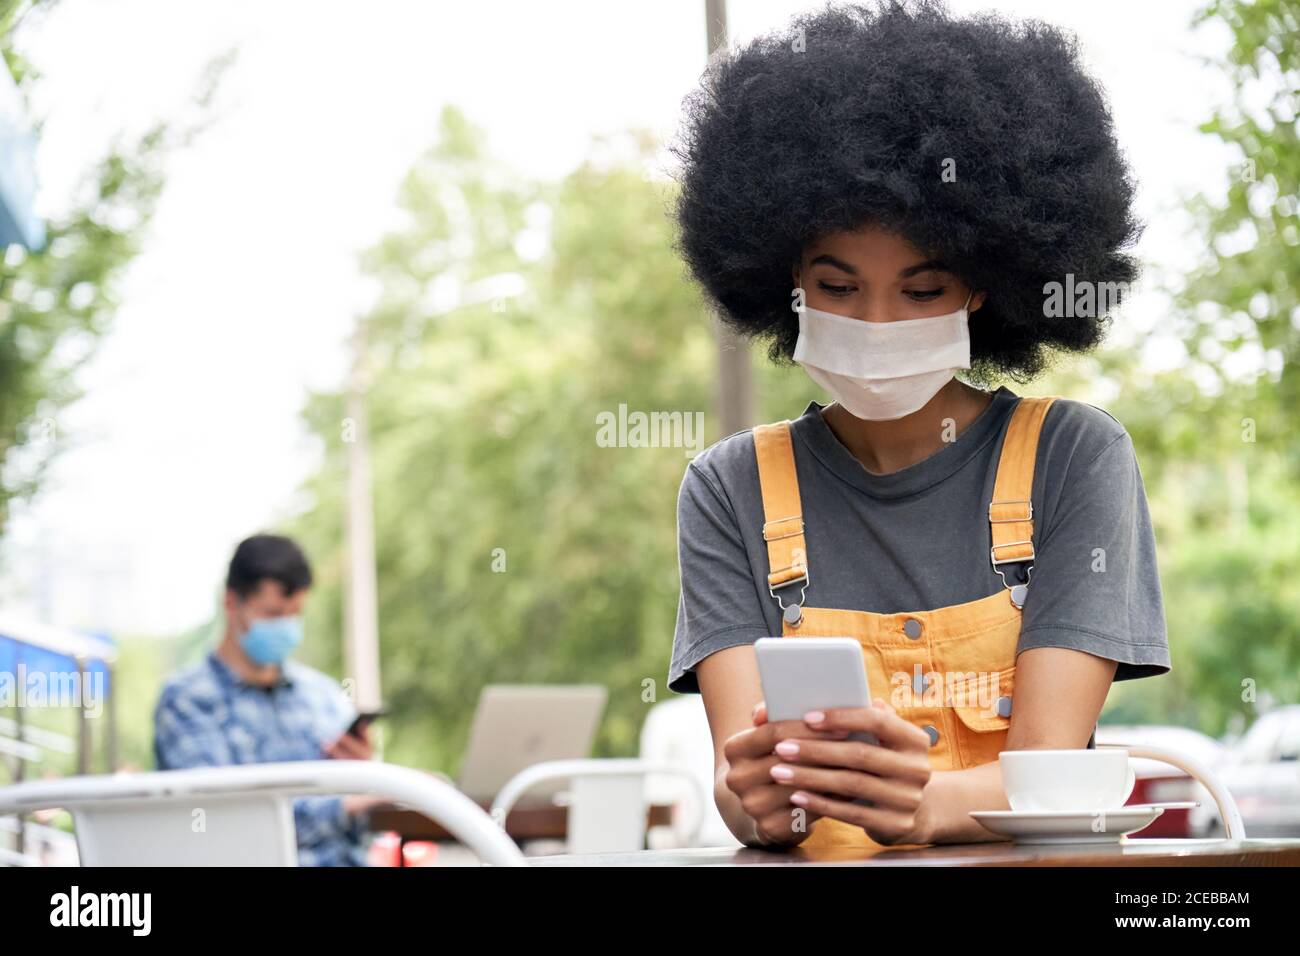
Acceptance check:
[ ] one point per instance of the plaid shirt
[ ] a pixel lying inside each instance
(207, 717)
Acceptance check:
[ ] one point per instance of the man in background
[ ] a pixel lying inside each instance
(247, 702)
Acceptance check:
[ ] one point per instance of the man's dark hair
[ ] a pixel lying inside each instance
(266, 556)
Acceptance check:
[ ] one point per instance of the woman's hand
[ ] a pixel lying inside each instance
(750, 760)
(826, 775)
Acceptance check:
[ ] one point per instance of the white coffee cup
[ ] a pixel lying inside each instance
(1074, 780)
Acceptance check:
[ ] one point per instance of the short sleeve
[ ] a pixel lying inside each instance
(1095, 585)
(720, 605)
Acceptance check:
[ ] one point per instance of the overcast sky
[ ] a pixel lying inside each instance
(189, 437)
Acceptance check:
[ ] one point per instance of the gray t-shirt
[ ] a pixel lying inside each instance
(918, 539)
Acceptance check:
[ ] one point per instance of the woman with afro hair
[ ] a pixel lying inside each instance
(889, 195)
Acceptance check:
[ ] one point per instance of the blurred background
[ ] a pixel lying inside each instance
(371, 273)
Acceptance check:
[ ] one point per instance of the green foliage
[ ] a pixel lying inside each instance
(1216, 437)
(1242, 307)
(512, 547)
(1233, 557)
(56, 303)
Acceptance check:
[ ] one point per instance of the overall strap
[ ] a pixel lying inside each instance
(787, 555)
(1011, 511)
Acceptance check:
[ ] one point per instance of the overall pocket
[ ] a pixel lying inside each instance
(983, 709)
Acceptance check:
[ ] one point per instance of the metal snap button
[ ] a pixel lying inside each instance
(912, 628)
(793, 615)
(933, 732)
(1004, 706)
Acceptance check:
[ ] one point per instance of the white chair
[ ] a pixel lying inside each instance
(1233, 826)
(607, 801)
(676, 731)
(238, 816)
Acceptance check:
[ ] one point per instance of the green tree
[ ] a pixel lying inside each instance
(1236, 598)
(1216, 437)
(512, 546)
(56, 303)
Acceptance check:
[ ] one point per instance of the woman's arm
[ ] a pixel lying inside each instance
(1096, 592)
(719, 617)
(1059, 695)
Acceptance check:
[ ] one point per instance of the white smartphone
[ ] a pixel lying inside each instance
(800, 674)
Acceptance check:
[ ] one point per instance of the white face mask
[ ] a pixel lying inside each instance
(881, 371)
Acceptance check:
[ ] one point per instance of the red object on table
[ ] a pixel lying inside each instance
(387, 849)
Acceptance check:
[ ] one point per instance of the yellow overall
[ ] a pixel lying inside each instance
(951, 670)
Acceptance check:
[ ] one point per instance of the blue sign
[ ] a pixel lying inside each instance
(18, 220)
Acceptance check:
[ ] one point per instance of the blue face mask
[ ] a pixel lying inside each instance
(270, 640)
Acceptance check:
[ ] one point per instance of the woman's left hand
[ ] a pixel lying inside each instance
(829, 774)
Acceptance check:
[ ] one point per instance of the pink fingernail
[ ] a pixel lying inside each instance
(787, 748)
(814, 717)
(799, 798)
(782, 773)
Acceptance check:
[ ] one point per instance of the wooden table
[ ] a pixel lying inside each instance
(1128, 852)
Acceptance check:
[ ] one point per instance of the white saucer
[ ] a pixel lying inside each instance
(1068, 826)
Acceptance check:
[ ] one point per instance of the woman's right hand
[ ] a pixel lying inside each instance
(750, 757)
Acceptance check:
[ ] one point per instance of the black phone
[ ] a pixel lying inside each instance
(364, 719)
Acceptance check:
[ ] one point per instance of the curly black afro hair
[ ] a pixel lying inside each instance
(845, 118)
